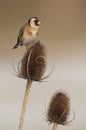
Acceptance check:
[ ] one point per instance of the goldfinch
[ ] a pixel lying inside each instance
(28, 33)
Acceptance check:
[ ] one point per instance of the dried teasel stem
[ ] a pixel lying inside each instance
(55, 125)
(31, 67)
(27, 92)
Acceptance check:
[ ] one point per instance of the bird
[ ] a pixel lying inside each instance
(28, 33)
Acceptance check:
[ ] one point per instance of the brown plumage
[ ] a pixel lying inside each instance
(33, 64)
(59, 107)
(28, 33)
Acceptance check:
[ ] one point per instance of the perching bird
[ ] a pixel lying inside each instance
(29, 32)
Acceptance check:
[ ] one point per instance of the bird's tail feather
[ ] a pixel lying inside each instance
(16, 46)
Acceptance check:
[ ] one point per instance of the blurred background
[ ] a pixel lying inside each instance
(64, 34)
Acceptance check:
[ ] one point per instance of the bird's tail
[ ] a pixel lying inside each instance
(16, 46)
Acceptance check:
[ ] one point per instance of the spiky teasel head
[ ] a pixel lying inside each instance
(59, 108)
(33, 64)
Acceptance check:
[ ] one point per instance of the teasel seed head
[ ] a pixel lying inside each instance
(59, 108)
(33, 64)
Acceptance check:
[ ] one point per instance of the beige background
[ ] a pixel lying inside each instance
(64, 33)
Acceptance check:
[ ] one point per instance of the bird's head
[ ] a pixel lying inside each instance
(34, 22)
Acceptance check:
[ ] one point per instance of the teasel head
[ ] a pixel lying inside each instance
(33, 64)
(31, 67)
(58, 110)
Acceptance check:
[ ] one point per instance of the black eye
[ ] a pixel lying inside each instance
(36, 22)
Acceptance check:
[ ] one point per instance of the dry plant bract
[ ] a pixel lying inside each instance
(58, 110)
(33, 64)
(31, 67)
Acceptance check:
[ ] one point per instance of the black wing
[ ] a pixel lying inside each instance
(19, 39)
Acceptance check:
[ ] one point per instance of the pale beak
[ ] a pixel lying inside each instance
(39, 23)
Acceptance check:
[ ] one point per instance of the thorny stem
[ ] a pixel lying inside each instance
(27, 92)
(55, 126)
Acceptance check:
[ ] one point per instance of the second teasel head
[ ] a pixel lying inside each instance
(59, 108)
